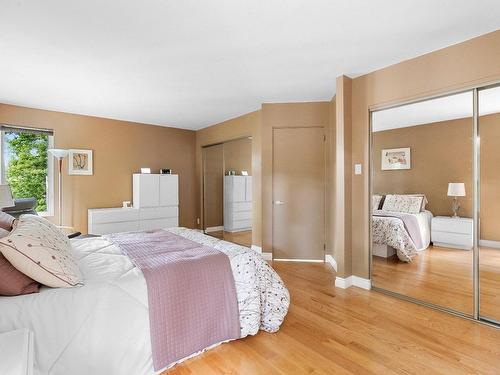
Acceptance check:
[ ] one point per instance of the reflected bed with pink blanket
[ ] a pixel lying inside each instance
(105, 326)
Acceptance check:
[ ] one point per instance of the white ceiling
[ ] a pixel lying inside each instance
(440, 109)
(190, 64)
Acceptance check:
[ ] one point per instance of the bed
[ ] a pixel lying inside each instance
(103, 326)
(398, 229)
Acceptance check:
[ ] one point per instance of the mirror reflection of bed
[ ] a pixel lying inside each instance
(227, 191)
(419, 152)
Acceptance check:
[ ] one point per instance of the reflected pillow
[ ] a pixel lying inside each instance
(376, 202)
(403, 203)
(41, 251)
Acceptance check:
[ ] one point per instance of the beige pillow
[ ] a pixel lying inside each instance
(41, 251)
(403, 203)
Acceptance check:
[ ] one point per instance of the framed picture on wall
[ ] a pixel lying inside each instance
(396, 158)
(80, 162)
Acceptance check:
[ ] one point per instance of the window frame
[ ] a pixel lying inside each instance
(50, 165)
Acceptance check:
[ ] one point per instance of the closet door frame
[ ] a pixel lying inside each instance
(476, 316)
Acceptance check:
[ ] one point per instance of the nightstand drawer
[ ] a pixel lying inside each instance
(452, 225)
(456, 239)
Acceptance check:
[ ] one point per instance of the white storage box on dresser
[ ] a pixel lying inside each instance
(237, 203)
(453, 232)
(156, 205)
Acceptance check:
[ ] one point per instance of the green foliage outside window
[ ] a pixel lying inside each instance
(25, 156)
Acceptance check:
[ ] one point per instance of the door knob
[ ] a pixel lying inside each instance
(278, 203)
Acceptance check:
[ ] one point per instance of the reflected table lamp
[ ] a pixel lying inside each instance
(455, 190)
(59, 154)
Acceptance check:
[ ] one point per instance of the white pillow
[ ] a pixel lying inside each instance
(376, 199)
(403, 203)
(41, 251)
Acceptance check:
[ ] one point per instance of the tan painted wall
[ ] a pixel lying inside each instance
(440, 153)
(238, 155)
(120, 149)
(213, 185)
(281, 116)
(474, 62)
(240, 127)
(489, 129)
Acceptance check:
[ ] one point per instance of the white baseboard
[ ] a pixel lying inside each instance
(214, 229)
(488, 243)
(300, 260)
(330, 259)
(357, 281)
(267, 256)
(257, 249)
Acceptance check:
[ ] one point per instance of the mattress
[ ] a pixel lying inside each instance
(103, 326)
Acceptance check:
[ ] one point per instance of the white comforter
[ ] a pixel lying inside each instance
(103, 326)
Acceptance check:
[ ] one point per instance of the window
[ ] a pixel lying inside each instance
(25, 164)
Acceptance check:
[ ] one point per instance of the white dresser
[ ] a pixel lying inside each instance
(237, 203)
(452, 232)
(156, 205)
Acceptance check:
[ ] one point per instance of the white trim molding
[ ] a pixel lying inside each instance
(300, 260)
(357, 281)
(267, 256)
(488, 243)
(331, 260)
(214, 229)
(257, 249)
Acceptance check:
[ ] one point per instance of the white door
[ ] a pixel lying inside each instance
(169, 190)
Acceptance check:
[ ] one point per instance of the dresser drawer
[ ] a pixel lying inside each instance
(106, 228)
(445, 239)
(242, 215)
(158, 213)
(151, 224)
(452, 225)
(113, 215)
(242, 206)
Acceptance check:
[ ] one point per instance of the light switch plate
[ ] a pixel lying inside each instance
(357, 169)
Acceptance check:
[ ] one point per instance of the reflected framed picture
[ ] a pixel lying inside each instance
(396, 158)
(80, 162)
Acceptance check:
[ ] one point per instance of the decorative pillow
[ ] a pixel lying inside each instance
(41, 251)
(14, 282)
(425, 202)
(376, 200)
(402, 203)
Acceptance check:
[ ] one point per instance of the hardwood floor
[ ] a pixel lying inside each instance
(241, 238)
(354, 331)
(444, 277)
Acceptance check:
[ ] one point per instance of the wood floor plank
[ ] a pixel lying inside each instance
(353, 331)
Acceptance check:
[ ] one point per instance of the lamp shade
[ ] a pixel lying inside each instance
(6, 197)
(58, 153)
(456, 189)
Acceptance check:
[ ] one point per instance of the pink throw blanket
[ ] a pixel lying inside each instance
(191, 293)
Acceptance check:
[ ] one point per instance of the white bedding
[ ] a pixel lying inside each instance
(391, 231)
(103, 327)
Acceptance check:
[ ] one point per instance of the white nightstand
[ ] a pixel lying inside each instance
(16, 348)
(452, 232)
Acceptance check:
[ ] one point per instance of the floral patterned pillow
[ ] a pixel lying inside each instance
(42, 252)
(403, 203)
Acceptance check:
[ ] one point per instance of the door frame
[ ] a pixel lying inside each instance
(324, 193)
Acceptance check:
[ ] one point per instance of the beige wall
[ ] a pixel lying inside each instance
(120, 149)
(474, 62)
(282, 116)
(240, 127)
(440, 153)
(238, 155)
(213, 185)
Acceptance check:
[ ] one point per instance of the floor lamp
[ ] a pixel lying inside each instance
(59, 154)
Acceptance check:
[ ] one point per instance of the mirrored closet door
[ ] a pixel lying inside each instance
(422, 201)
(489, 217)
(227, 190)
